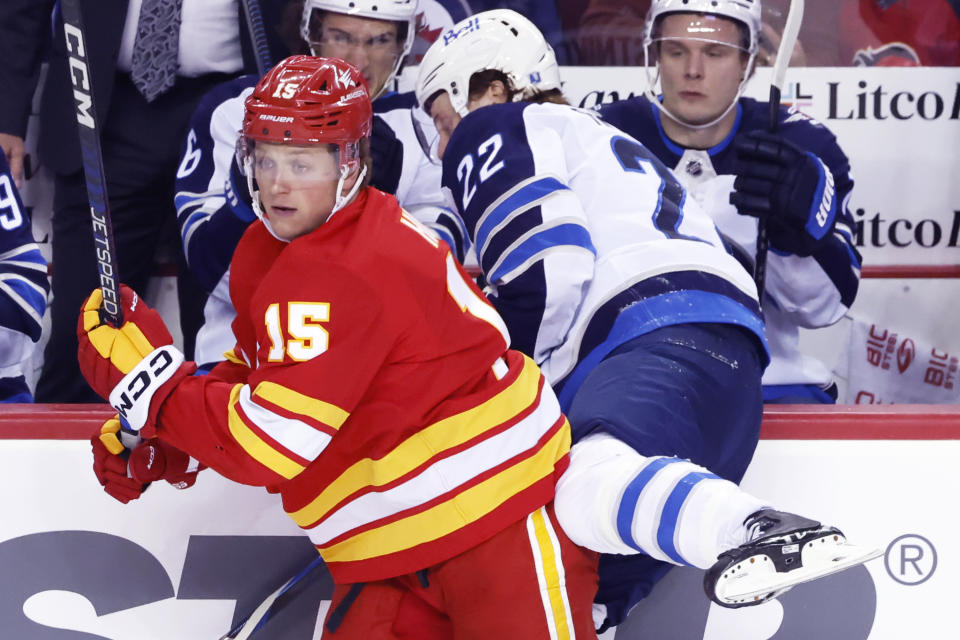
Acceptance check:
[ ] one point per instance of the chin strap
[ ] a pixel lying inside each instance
(344, 200)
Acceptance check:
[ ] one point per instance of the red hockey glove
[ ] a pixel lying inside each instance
(110, 461)
(134, 366)
(156, 460)
(126, 465)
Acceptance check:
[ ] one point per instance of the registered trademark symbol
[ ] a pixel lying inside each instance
(910, 559)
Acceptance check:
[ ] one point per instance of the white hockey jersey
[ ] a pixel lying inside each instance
(809, 292)
(210, 227)
(586, 240)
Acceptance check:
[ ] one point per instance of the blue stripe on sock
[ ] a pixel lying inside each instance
(671, 513)
(631, 495)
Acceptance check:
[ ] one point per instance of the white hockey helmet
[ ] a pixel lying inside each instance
(499, 39)
(402, 11)
(745, 12)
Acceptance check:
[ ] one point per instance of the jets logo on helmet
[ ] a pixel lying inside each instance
(499, 39)
(470, 24)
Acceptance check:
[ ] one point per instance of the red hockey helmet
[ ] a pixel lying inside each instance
(311, 100)
(308, 100)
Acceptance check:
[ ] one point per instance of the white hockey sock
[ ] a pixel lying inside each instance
(611, 499)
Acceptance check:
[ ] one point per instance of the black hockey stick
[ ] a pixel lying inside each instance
(258, 35)
(271, 605)
(791, 30)
(88, 130)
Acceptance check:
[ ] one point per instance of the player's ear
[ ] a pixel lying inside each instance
(498, 91)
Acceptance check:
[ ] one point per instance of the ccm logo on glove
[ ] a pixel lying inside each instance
(148, 376)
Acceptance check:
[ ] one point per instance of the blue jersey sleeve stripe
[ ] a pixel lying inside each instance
(449, 218)
(452, 229)
(501, 242)
(188, 225)
(28, 272)
(522, 197)
(670, 515)
(32, 261)
(564, 235)
(185, 199)
(26, 248)
(447, 237)
(24, 310)
(29, 294)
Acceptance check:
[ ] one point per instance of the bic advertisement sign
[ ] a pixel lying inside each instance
(188, 565)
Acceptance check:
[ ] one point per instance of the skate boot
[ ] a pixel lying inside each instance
(784, 550)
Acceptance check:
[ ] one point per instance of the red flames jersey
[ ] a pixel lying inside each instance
(375, 392)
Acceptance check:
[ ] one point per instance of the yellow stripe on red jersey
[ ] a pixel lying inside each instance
(429, 444)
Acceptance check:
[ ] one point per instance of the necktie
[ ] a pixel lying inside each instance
(154, 65)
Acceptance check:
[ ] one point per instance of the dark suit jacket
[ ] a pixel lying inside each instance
(25, 39)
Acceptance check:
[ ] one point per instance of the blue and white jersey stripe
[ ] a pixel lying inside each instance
(586, 240)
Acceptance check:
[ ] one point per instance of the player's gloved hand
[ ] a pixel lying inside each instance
(111, 449)
(387, 153)
(134, 366)
(790, 188)
(237, 193)
(154, 459)
(126, 465)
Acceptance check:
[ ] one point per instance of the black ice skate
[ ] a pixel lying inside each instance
(785, 550)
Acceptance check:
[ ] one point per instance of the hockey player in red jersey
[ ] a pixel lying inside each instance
(371, 387)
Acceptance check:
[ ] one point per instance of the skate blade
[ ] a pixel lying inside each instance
(755, 580)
